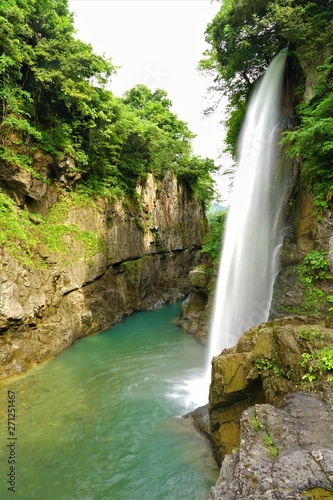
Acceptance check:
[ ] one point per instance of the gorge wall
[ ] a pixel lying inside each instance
(146, 247)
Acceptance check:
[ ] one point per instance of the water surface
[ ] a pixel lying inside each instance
(102, 421)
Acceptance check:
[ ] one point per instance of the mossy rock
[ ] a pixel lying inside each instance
(231, 378)
(268, 363)
(317, 494)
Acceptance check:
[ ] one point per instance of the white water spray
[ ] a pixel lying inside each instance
(249, 258)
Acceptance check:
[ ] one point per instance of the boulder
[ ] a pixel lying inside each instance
(268, 363)
(197, 308)
(283, 453)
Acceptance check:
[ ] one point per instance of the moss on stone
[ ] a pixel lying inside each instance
(317, 494)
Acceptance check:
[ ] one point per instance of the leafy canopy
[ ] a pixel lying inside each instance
(54, 96)
(312, 140)
(213, 240)
(246, 34)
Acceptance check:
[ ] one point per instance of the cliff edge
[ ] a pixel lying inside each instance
(73, 265)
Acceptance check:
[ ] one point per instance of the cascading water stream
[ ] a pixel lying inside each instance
(249, 259)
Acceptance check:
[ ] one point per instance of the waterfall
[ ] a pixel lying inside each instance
(249, 258)
(252, 239)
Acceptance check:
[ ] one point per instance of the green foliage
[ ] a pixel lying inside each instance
(53, 96)
(255, 422)
(312, 140)
(317, 363)
(244, 36)
(317, 265)
(243, 40)
(273, 449)
(17, 233)
(242, 43)
(28, 237)
(139, 222)
(325, 359)
(155, 107)
(234, 124)
(213, 240)
(268, 365)
(132, 269)
(310, 334)
(167, 144)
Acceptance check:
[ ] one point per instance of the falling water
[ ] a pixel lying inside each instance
(249, 259)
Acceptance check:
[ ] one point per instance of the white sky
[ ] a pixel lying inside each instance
(158, 43)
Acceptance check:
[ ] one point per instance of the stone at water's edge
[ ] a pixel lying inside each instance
(283, 452)
(201, 420)
(266, 368)
(197, 308)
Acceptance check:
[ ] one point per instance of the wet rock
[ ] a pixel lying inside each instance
(197, 308)
(232, 379)
(199, 280)
(201, 420)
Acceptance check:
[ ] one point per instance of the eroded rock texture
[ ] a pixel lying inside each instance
(197, 308)
(148, 247)
(266, 365)
(284, 452)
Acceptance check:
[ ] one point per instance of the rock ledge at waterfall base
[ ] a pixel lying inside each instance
(301, 430)
(270, 426)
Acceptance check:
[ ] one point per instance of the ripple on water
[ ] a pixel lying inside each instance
(98, 422)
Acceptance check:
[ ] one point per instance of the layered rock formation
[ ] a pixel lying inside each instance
(197, 308)
(306, 232)
(269, 361)
(147, 246)
(271, 435)
(284, 453)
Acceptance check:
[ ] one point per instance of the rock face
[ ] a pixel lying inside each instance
(148, 246)
(306, 233)
(283, 452)
(269, 362)
(272, 436)
(197, 308)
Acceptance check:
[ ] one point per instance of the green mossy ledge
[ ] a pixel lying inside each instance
(270, 409)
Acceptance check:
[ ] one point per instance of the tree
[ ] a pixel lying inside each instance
(245, 35)
(312, 139)
(54, 96)
(46, 71)
(156, 107)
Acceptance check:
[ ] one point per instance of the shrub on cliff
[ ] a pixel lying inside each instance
(312, 140)
(213, 240)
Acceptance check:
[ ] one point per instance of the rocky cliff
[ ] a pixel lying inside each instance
(270, 411)
(108, 259)
(271, 396)
(284, 453)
